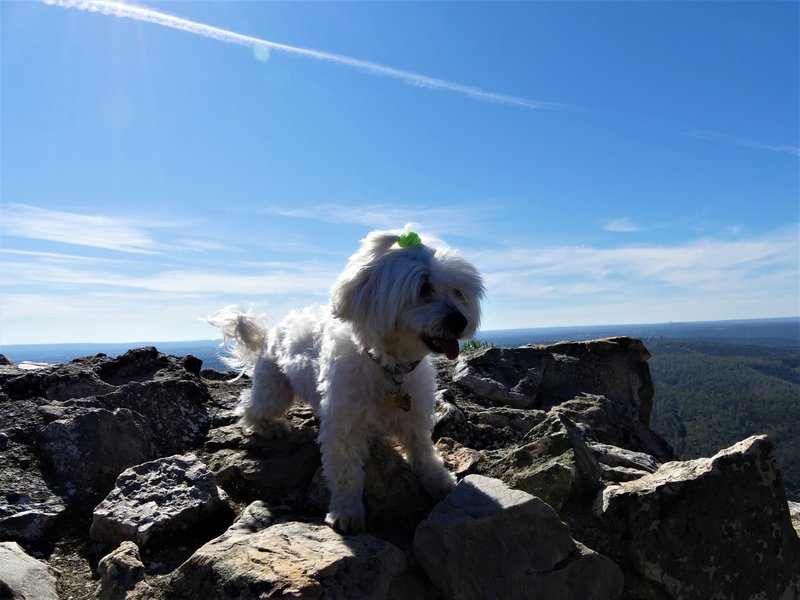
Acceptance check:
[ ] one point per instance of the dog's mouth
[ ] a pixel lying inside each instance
(447, 346)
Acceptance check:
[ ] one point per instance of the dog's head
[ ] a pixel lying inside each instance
(408, 300)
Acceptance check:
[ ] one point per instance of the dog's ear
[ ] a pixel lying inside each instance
(348, 296)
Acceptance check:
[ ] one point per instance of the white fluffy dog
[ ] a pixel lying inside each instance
(361, 362)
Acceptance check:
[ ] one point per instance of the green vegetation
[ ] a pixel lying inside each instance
(475, 345)
(711, 394)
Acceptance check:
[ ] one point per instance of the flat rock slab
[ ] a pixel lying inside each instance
(486, 540)
(24, 577)
(155, 499)
(289, 560)
(714, 527)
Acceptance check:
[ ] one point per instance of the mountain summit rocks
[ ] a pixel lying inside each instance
(129, 477)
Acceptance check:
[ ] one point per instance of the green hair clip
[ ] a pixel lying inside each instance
(409, 239)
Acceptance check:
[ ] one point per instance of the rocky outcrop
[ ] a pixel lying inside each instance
(129, 472)
(719, 523)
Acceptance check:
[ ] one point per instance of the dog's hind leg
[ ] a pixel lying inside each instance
(262, 407)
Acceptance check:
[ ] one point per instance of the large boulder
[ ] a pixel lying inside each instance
(23, 577)
(486, 540)
(88, 448)
(289, 560)
(156, 499)
(714, 527)
(543, 376)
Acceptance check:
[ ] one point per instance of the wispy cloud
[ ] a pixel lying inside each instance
(139, 13)
(623, 225)
(444, 219)
(724, 138)
(701, 264)
(97, 231)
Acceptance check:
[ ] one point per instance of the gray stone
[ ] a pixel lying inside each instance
(92, 446)
(535, 469)
(23, 517)
(794, 511)
(614, 456)
(289, 560)
(504, 376)
(544, 376)
(176, 410)
(156, 499)
(714, 527)
(122, 575)
(23, 577)
(486, 540)
(278, 469)
(615, 424)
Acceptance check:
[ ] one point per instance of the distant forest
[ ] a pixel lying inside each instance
(711, 394)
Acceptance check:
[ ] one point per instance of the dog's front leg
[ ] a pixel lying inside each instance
(344, 452)
(428, 466)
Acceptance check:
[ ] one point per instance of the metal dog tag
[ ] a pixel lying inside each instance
(400, 400)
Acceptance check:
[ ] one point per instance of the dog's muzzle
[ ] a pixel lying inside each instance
(453, 326)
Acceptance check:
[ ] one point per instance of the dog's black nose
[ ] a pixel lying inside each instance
(454, 323)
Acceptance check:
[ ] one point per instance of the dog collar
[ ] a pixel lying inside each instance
(397, 373)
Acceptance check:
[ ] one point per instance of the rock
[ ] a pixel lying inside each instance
(92, 446)
(68, 431)
(710, 527)
(252, 467)
(122, 575)
(155, 500)
(23, 577)
(289, 560)
(544, 376)
(621, 457)
(458, 459)
(5, 361)
(505, 376)
(27, 518)
(176, 410)
(554, 466)
(486, 540)
(794, 511)
(614, 424)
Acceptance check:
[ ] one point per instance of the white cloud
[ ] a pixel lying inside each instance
(707, 264)
(440, 220)
(97, 231)
(623, 224)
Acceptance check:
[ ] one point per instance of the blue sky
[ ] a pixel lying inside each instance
(600, 162)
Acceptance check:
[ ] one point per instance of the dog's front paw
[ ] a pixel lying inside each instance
(439, 482)
(346, 523)
(268, 428)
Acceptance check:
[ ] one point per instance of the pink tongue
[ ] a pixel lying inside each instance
(449, 346)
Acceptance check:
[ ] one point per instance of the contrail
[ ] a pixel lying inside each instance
(139, 13)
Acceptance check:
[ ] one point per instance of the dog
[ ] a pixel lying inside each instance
(362, 362)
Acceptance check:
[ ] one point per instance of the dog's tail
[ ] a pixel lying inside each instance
(243, 335)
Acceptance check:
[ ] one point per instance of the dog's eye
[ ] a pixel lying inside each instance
(426, 291)
(458, 294)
